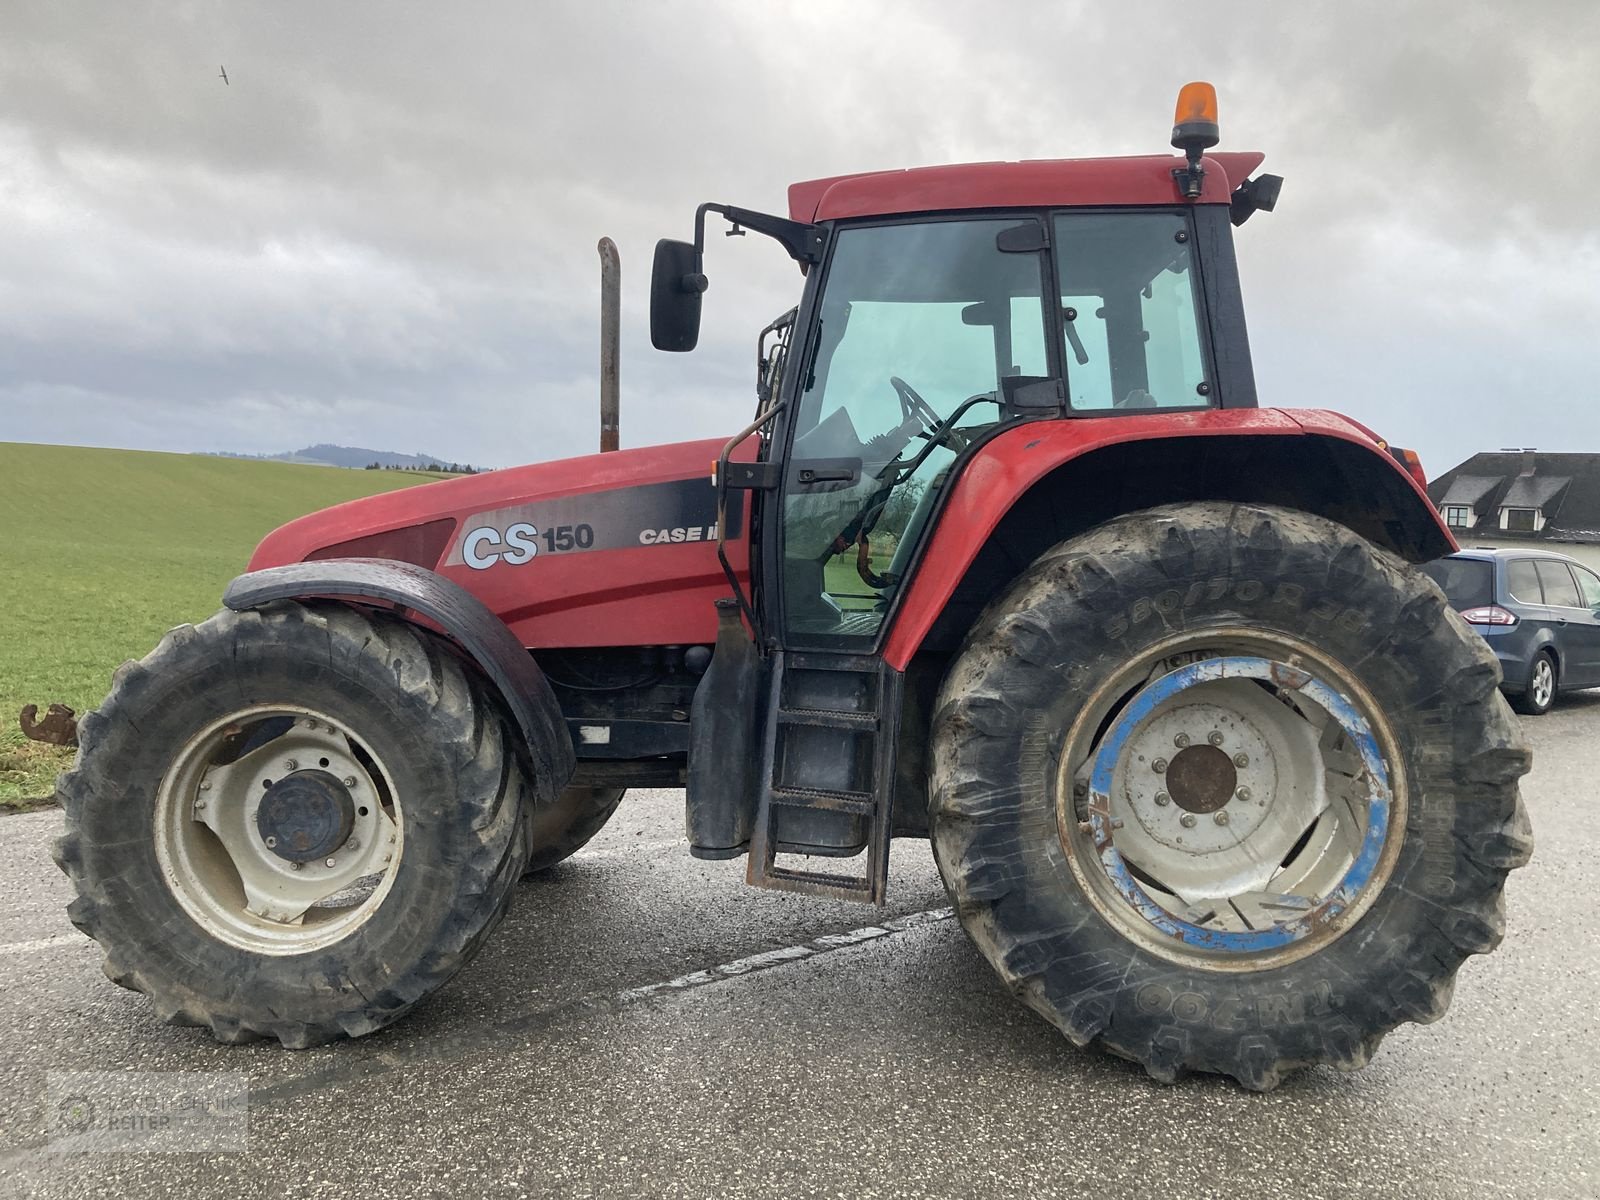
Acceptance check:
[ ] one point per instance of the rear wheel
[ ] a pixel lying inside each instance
(1188, 754)
(1539, 696)
(293, 823)
(562, 829)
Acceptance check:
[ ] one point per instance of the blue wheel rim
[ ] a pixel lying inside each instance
(1378, 799)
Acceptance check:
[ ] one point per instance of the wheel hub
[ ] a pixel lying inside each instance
(305, 816)
(1179, 774)
(1201, 779)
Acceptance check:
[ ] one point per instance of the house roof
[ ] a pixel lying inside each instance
(1468, 489)
(1533, 491)
(1566, 487)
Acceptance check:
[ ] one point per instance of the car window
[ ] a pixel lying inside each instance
(1590, 583)
(1558, 586)
(1465, 582)
(1522, 581)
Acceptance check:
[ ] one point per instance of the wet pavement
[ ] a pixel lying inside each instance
(644, 1024)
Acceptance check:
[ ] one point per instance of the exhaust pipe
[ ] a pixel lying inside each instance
(610, 338)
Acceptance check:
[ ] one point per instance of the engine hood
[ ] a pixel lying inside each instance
(607, 549)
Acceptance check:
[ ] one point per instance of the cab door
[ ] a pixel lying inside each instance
(925, 330)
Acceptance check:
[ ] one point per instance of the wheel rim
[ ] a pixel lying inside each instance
(278, 830)
(1227, 802)
(1544, 681)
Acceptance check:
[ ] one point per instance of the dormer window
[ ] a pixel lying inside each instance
(1520, 520)
(1458, 516)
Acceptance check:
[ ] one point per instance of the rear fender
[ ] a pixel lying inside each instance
(1040, 483)
(450, 609)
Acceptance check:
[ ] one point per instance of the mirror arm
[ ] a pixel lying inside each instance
(804, 242)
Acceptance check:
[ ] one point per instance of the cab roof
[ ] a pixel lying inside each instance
(1037, 183)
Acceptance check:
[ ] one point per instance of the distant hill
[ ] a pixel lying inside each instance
(358, 457)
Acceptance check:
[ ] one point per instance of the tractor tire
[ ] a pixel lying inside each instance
(559, 831)
(1539, 695)
(295, 822)
(1226, 789)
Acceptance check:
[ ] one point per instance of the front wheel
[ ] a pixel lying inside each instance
(1226, 789)
(293, 823)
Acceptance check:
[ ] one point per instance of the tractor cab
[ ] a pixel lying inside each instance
(943, 307)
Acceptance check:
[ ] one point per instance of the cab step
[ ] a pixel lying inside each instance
(827, 774)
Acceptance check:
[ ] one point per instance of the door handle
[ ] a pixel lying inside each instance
(837, 471)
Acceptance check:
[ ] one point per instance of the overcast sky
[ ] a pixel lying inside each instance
(382, 231)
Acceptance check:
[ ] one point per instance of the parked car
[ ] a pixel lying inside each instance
(1539, 611)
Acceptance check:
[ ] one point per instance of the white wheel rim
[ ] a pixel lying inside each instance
(239, 889)
(1229, 803)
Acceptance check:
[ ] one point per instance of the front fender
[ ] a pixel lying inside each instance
(460, 616)
(1039, 483)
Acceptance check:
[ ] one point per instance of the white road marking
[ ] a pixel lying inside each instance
(768, 959)
(49, 943)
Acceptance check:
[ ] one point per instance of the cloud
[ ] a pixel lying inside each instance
(383, 230)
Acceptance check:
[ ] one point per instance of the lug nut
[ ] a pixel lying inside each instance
(1214, 738)
(1243, 793)
(271, 842)
(1221, 817)
(1188, 820)
(205, 785)
(1181, 740)
(331, 861)
(352, 844)
(1241, 760)
(291, 765)
(1163, 799)
(309, 723)
(1159, 766)
(294, 866)
(349, 781)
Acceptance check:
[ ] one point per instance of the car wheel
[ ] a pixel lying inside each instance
(1540, 694)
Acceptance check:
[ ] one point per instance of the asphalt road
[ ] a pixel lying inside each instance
(643, 1024)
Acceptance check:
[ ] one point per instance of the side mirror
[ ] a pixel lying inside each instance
(675, 287)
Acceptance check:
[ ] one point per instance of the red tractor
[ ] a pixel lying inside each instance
(1009, 558)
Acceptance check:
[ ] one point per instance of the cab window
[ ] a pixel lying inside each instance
(1130, 310)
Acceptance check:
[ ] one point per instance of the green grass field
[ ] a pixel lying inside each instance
(103, 551)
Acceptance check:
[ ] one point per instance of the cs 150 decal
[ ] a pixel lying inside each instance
(653, 514)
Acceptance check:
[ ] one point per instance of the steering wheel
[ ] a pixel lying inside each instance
(913, 405)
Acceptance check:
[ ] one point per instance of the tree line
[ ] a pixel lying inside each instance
(454, 468)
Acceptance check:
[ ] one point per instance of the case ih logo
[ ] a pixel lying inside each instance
(656, 514)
